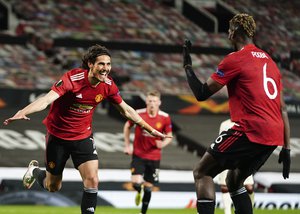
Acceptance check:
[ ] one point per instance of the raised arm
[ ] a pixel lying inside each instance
(36, 106)
(129, 113)
(201, 91)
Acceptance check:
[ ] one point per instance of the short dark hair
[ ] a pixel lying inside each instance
(92, 53)
(244, 22)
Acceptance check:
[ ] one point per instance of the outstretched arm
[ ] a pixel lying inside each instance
(129, 113)
(163, 143)
(36, 106)
(201, 91)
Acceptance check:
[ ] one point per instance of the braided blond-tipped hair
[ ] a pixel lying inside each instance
(246, 22)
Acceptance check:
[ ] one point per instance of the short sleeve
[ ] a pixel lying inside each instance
(114, 95)
(227, 70)
(63, 85)
(168, 127)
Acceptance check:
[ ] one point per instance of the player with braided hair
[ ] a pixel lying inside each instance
(257, 109)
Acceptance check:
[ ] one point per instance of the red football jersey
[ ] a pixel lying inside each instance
(254, 86)
(70, 116)
(144, 144)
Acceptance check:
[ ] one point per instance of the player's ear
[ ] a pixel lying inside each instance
(159, 102)
(90, 64)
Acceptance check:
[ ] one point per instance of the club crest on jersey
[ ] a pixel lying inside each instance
(59, 83)
(99, 98)
(158, 125)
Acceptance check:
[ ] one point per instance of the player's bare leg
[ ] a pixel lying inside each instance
(137, 184)
(89, 174)
(204, 173)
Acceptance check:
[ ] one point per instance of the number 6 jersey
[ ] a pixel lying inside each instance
(254, 87)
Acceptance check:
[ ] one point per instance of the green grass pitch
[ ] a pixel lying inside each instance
(109, 210)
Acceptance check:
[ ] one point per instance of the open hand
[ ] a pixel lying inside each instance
(17, 116)
(187, 60)
(156, 133)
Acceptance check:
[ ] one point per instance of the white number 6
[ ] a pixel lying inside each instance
(266, 80)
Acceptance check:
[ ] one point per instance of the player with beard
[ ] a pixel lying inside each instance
(146, 153)
(73, 101)
(256, 107)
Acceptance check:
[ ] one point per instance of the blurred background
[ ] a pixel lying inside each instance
(42, 39)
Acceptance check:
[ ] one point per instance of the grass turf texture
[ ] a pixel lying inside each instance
(109, 210)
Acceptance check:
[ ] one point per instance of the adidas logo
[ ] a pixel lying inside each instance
(79, 96)
(91, 209)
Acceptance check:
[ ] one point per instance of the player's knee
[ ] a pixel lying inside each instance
(53, 187)
(91, 182)
(137, 186)
(197, 174)
(147, 189)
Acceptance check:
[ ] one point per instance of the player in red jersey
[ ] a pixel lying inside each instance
(73, 101)
(146, 153)
(256, 107)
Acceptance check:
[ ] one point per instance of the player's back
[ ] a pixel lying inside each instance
(254, 85)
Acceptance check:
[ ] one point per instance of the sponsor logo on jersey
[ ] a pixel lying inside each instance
(82, 106)
(99, 98)
(59, 83)
(220, 73)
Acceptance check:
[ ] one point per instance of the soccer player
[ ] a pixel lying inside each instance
(257, 108)
(146, 153)
(73, 100)
(248, 183)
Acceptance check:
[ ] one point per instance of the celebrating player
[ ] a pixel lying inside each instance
(146, 152)
(256, 107)
(73, 100)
